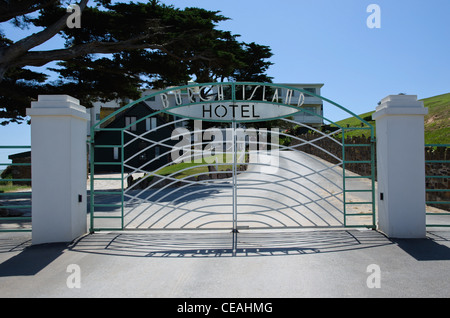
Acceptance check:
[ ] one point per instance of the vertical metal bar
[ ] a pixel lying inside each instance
(234, 243)
(233, 92)
(372, 168)
(233, 128)
(91, 168)
(234, 201)
(233, 167)
(343, 176)
(122, 172)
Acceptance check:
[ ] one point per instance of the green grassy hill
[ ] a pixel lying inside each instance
(437, 122)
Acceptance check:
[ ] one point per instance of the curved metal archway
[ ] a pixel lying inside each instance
(298, 190)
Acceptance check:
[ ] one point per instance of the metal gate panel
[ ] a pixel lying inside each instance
(278, 186)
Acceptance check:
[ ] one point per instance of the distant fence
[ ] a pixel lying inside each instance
(15, 189)
(437, 171)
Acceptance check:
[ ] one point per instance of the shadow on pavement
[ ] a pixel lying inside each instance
(431, 248)
(31, 260)
(225, 244)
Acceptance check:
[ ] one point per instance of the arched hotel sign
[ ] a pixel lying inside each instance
(232, 101)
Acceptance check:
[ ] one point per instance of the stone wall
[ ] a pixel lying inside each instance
(355, 153)
(364, 153)
(438, 169)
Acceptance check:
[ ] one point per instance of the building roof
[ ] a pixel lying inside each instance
(20, 155)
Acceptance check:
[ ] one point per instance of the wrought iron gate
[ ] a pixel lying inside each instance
(230, 156)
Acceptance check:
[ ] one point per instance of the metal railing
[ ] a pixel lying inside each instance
(285, 199)
(15, 194)
(370, 190)
(437, 185)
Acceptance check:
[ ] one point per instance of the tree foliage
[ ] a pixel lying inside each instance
(120, 49)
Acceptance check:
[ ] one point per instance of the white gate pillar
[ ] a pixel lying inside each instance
(58, 163)
(401, 166)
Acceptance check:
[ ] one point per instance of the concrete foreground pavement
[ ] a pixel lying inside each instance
(251, 264)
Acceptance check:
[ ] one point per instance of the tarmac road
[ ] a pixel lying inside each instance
(285, 264)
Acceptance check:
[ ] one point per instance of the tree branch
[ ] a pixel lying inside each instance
(40, 58)
(12, 52)
(12, 9)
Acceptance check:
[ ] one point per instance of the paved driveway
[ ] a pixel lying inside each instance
(287, 264)
(292, 190)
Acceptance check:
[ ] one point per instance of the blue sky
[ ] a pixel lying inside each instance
(328, 41)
